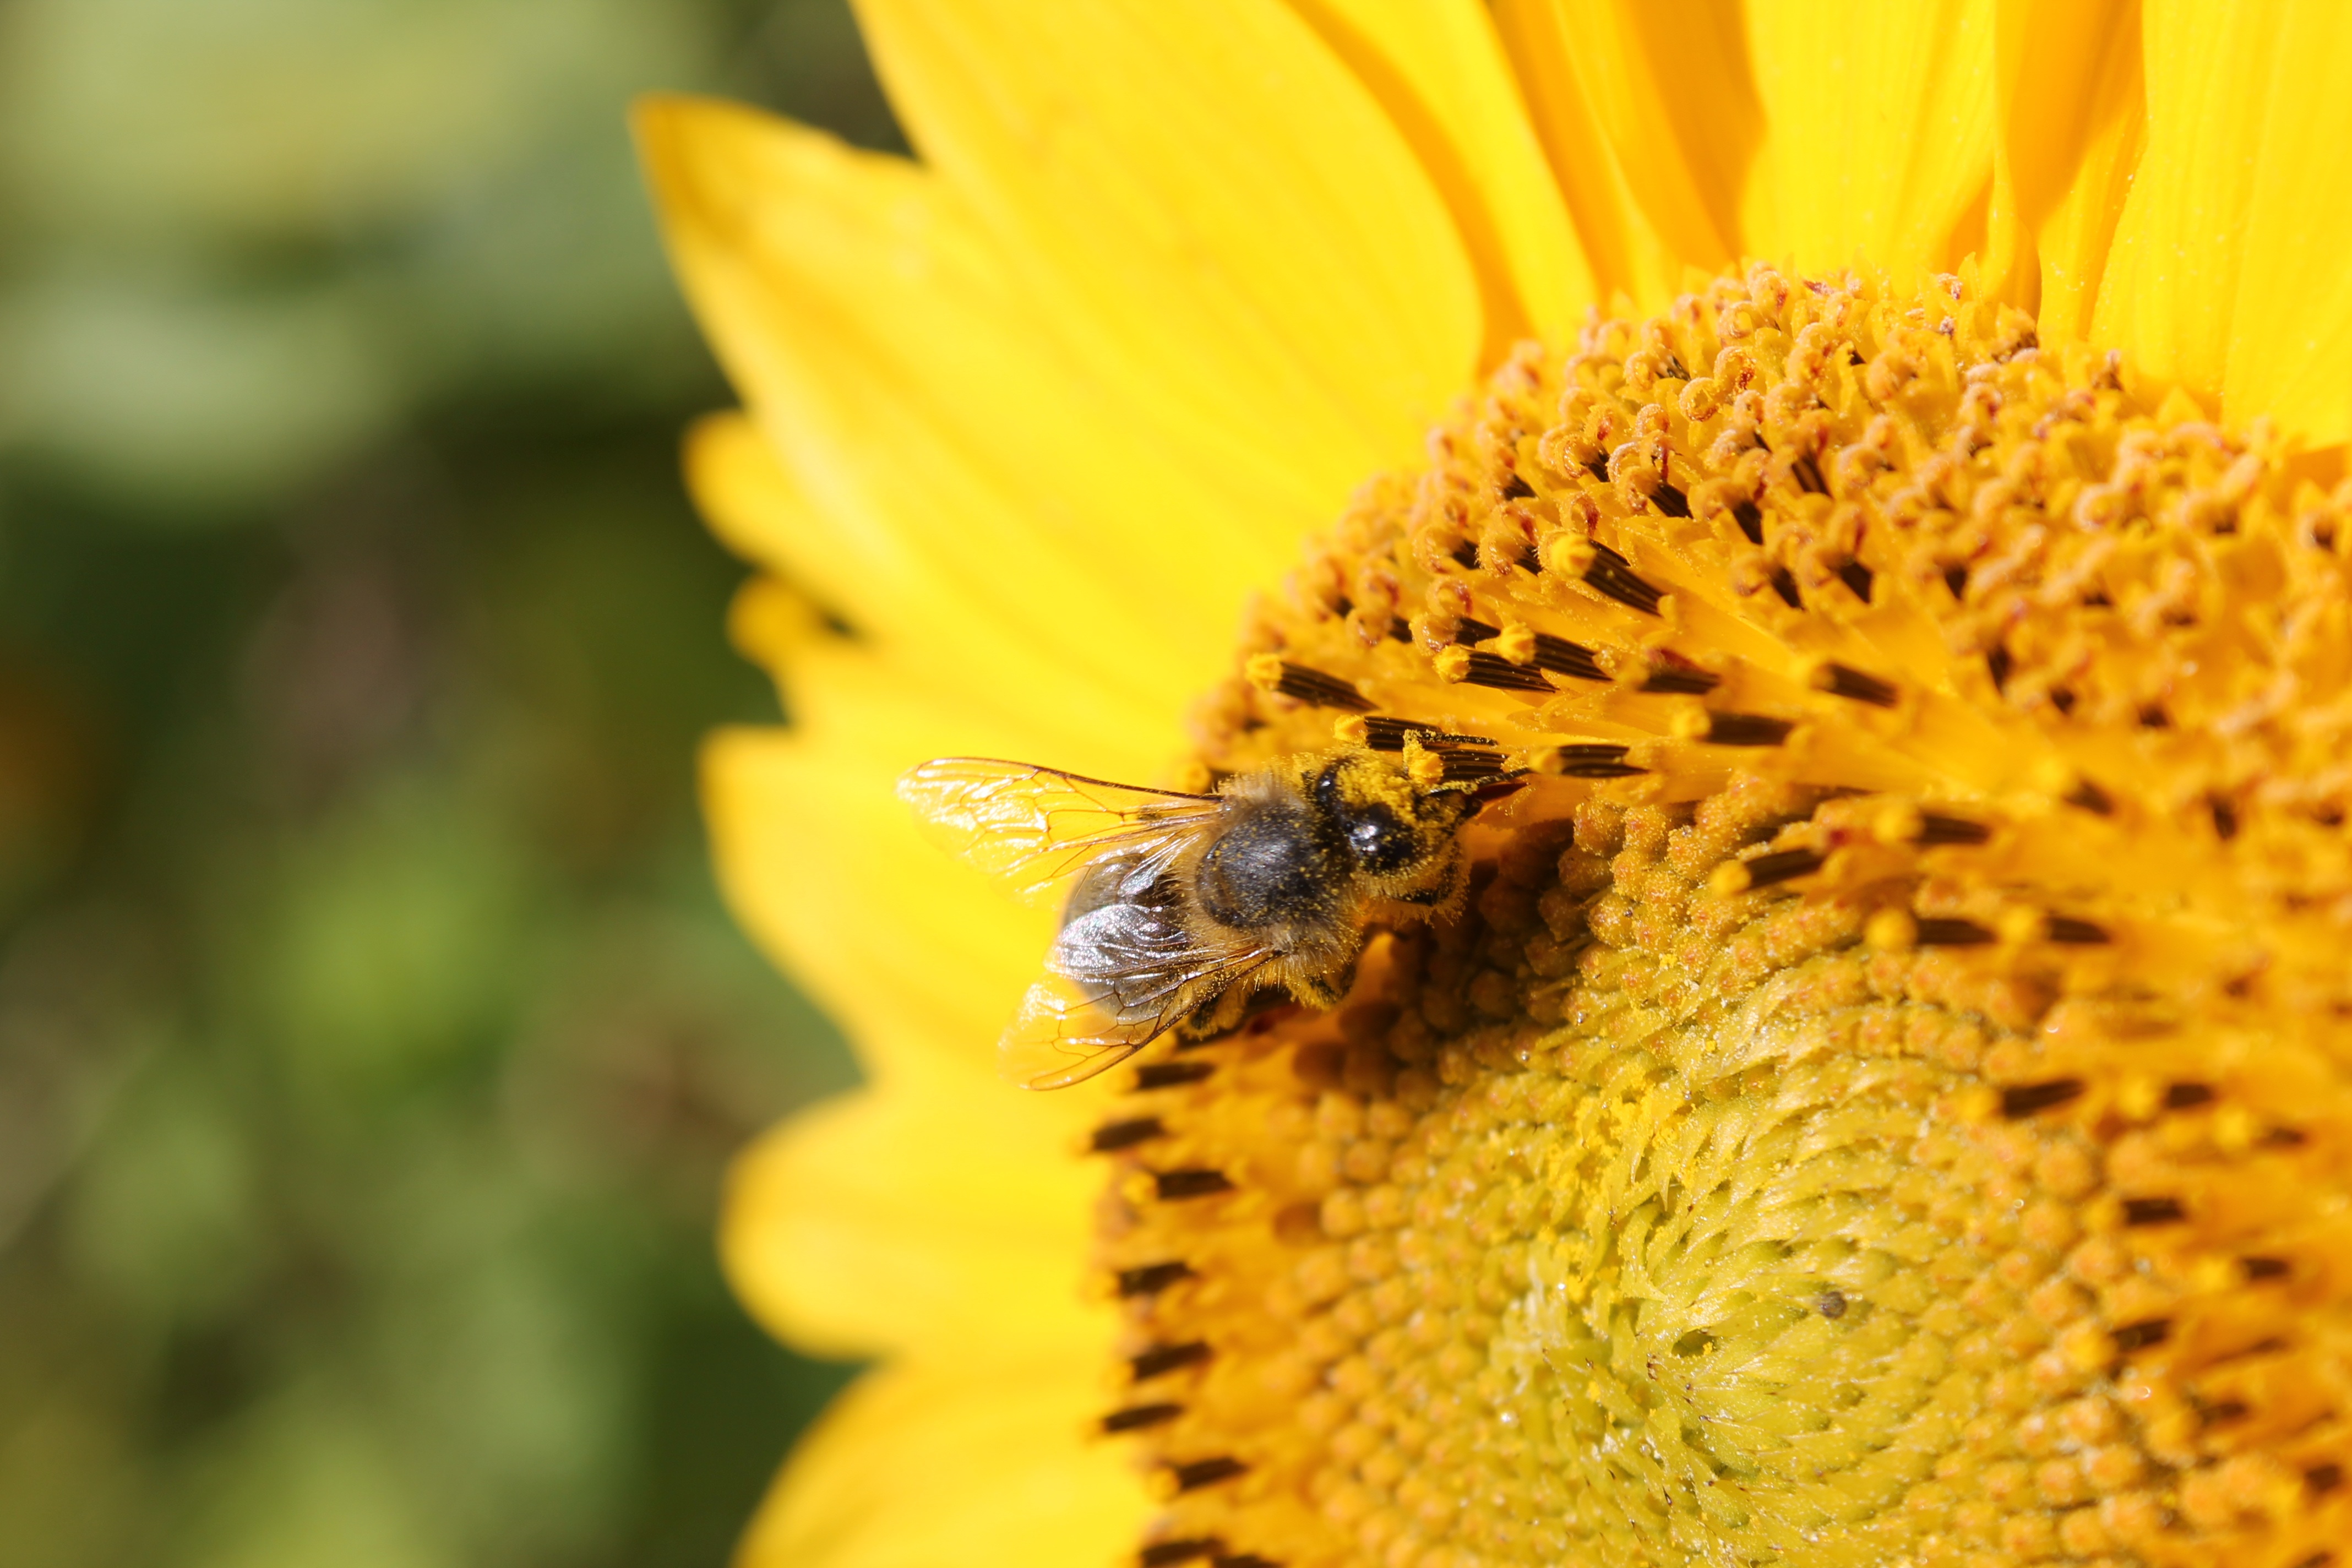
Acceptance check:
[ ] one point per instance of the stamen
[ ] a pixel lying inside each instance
(1856, 576)
(1152, 1278)
(1593, 760)
(1201, 1473)
(2139, 1336)
(1750, 520)
(1842, 680)
(1672, 674)
(1168, 1553)
(1270, 672)
(1613, 576)
(1475, 667)
(1137, 1417)
(1745, 730)
(1160, 1359)
(2091, 798)
(1167, 1074)
(1125, 1135)
(1936, 830)
(2263, 1268)
(2324, 1477)
(1944, 932)
(1764, 870)
(1175, 1184)
(1382, 733)
(2025, 1099)
(2153, 1211)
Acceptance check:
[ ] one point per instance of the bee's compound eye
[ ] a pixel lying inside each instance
(1382, 845)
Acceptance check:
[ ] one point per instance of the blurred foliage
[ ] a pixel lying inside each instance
(370, 1040)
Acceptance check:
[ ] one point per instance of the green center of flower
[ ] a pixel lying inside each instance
(1887, 1099)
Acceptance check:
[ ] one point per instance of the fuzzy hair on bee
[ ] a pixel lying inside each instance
(1177, 909)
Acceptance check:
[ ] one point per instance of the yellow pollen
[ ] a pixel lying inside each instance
(1888, 1096)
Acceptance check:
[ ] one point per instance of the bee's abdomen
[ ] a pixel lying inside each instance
(1273, 866)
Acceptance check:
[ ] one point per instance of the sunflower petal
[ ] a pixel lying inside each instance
(1231, 234)
(2227, 272)
(2073, 121)
(1438, 70)
(1619, 240)
(958, 470)
(1670, 89)
(1879, 132)
(944, 1210)
(928, 1467)
(2291, 340)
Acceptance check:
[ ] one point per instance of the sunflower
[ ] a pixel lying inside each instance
(1871, 474)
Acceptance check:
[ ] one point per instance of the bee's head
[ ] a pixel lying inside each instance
(1397, 834)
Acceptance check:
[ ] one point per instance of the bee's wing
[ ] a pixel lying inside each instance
(1120, 976)
(1035, 826)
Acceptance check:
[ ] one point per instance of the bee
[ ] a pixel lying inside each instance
(1178, 909)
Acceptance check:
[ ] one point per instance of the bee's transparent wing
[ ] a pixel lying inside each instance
(1034, 827)
(1120, 976)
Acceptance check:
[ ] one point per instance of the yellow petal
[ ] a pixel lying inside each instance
(2291, 340)
(2071, 126)
(945, 649)
(1228, 231)
(916, 957)
(2226, 271)
(948, 1210)
(1670, 89)
(1595, 168)
(1438, 70)
(951, 1466)
(1878, 132)
(953, 463)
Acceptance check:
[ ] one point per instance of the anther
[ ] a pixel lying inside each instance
(1125, 1135)
(1937, 830)
(1809, 475)
(2091, 798)
(1202, 1473)
(1764, 870)
(1152, 1278)
(1562, 657)
(1168, 1553)
(1175, 1184)
(2222, 1413)
(1585, 760)
(2139, 1336)
(2324, 1477)
(1475, 667)
(1517, 488)
(1270, 672)
(1672, 673)
(1750, 520)
(1669, 500)
(1786, 586)
(2153, 1211)
(2262, 1267)
(1613, 576)
(1381, 733)
(1465, 555)
(2187, 1096)
(1167, 1074)
(1856, 576)
(1160, 1359)
(1745, 730)
(1998, 664)
(1956, 579)
(2025, 1098)
(2225, 817)
(2073, 932)
(1943, 931)
(1843, 680)
(1245, 1560)
(1137, 1417)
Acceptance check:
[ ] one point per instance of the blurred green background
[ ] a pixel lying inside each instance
(370, 1039)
